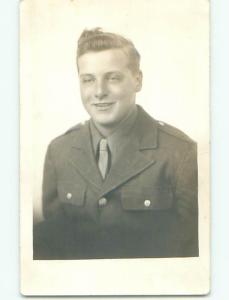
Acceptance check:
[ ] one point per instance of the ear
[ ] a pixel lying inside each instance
(138, 78)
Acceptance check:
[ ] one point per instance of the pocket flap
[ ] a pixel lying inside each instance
(71, 193)
(147, 199)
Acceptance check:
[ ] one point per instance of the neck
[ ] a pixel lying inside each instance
(109, 130)
(105, 131)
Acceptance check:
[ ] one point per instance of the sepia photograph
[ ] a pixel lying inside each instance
(114, 99)
(122, 184)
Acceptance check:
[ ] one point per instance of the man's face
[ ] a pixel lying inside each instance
(108, 86)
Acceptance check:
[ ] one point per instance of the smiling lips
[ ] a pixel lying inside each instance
(103, 105)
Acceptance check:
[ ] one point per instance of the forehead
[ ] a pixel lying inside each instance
(103, 61)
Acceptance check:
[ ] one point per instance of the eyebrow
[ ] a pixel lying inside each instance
(114, 72)
(86, 74)
(108, 73)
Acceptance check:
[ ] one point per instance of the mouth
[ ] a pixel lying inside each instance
(103, 106)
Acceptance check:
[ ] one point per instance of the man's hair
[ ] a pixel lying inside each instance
(96, 40)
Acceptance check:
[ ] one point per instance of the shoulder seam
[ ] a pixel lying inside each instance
(71, 129)
(173, 131)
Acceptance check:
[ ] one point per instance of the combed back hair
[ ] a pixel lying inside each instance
(96, 40)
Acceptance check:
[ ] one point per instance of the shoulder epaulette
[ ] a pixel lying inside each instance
(71, 129)
(76, 127)
(173, 131)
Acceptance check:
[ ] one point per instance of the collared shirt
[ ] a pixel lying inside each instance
(118, 139)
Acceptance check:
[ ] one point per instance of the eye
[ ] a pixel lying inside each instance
(114, 78)
(87, 79)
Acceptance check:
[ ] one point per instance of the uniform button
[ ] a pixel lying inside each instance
(69, 195)
(161, 123)
(102, 201)
(147, 203)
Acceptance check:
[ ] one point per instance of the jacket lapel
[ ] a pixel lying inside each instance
(82, 157)
(136, 156)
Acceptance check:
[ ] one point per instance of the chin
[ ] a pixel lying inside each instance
(105, 123)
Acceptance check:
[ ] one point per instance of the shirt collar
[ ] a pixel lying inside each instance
(116, 138)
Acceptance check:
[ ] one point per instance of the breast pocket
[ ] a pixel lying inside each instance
(147, 199)
(71, 193)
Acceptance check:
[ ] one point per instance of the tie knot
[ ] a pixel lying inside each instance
(103, 145)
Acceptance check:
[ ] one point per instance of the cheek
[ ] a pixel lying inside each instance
(85, 94)
(125, 95)
(119, 91)
(124, 89)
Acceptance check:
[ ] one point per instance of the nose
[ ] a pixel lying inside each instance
(100, 90)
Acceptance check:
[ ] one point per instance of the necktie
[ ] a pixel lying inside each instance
(103, 157)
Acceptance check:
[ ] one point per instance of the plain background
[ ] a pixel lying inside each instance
(9, 278)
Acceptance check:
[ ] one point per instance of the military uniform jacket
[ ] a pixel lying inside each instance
(146, 206)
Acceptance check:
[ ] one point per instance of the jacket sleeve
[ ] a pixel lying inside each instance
(50, 202)
(186, 194)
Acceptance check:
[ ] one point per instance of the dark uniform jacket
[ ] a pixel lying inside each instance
(146, 206)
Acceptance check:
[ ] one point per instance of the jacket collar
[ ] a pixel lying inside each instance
(145, 131)
(134, 161)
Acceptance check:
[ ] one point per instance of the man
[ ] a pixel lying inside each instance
(121, 185)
